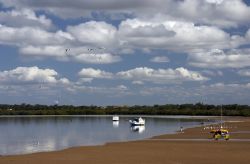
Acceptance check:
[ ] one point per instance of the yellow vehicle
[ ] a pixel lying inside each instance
(220, 133)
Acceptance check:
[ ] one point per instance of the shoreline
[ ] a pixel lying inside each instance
(146, 116)
(142, 150)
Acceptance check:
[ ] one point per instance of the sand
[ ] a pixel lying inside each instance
(194, 146)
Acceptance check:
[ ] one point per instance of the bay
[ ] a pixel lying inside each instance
(30, 134)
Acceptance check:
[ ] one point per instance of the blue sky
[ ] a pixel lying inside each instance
(134, 52)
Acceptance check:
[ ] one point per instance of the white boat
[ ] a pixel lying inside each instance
(115, 118)
(137, 121)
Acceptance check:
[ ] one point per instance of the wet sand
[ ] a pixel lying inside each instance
(194, 146)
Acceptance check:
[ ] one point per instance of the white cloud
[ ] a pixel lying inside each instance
(43, 51)
(116, 91)
(29, 75)
(145, 29)
(38, 43)
(160, 59)
(95, 73)
(215, 1)
(24, 17)
(248, 34)
(69, 9)
(64, 81)
(227, 89)
(78, 54)
(144, 74)
(158, 32)
(84, 80)
(219, 59)
(224, 13)
(137, 82)
(122, 87)
(94, 33)
(186, 36)
(161, 76)
(103, 58)
(35, 83)
(218, 93)
(31, 36)
(244, 72)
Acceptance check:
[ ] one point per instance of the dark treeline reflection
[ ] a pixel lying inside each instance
(168, 109)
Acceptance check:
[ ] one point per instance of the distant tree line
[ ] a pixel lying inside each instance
(168, 109)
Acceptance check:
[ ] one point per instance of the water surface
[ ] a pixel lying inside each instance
(22, 135)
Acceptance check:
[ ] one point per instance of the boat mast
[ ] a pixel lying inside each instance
(221, 117)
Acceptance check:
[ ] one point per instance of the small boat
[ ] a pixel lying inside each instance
(137, 121)
(115, 118)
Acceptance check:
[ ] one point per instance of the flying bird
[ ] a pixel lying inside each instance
(67, 51)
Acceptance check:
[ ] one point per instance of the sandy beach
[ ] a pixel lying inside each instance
(190, 147)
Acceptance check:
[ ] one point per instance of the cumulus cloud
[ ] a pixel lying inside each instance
(116, 91)
(217, 93)
(244, 72)
(94, 33)
(138, 82)
(143, 74)
(31, 36)
(161, 76)
(225, 86)
(224, 13)
(64, 81)
(81, 55)
(24, 17)
(145, 29)
(39, 43)
(159, 32)
(30, 75)
(160, 59)
(97, 58)
(38, 85)
(68, 9)
(220, 59)
(185, 36)
(95, 73)
(43, 51)
(240, 91)
(248, 34)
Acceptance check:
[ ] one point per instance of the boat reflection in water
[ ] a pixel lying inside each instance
(139, 129)
(115, 124)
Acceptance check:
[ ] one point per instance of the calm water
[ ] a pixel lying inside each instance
(21, 135)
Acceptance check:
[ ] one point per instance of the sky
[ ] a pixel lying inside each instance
(116, 52)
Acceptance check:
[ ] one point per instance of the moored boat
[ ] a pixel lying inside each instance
(137, 121)
(115, 118)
